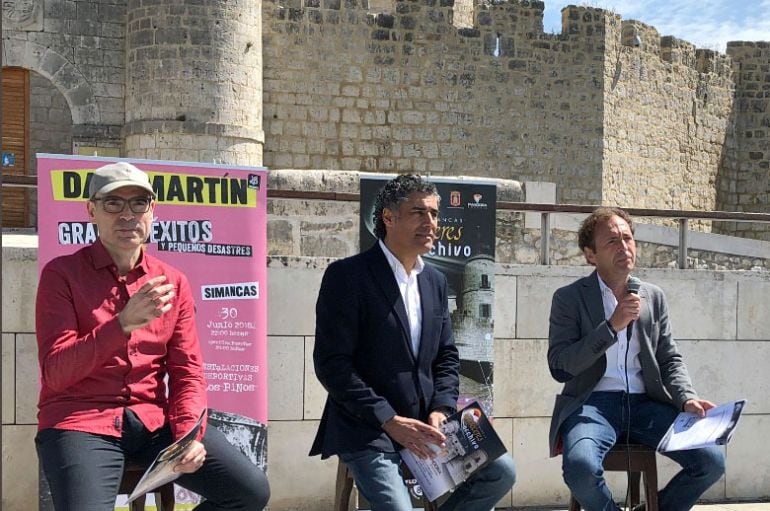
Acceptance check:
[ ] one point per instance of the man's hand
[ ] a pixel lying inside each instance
(192, 459)
(436, 419)
(415, 435)
(698, 406)
(627, 311)
(151, 301)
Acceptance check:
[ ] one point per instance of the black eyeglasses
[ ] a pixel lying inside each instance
(113, 204)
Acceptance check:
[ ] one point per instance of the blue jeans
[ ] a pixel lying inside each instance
(379, 479)
(84, 470)
(592, 430)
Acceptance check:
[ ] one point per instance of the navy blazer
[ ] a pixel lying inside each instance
(363, 355)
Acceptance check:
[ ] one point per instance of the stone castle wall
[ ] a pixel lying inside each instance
(745, 181)
(442, 87)
(667, 113)
(403, 88)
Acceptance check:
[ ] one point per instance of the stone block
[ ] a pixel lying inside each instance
(538, 191)
(285, 376)
(504, 429)
(701, 305)
(280, 237)
(538, 478)
(19, 483)
(9, 378)
(27, 379)
(315, 393)
(298, 482)
(744, 479)
(20, 277)
(505, 307)
(753, 310)
(534, 294)
(292, 295)
(725, 370)
(523, 384)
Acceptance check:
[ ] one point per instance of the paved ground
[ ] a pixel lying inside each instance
(726, 506)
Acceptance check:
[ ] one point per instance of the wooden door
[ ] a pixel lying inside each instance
(15, 142)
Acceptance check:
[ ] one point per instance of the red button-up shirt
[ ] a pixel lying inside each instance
(91, 371)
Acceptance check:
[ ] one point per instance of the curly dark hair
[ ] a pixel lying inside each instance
(588, 227)
(394, 193)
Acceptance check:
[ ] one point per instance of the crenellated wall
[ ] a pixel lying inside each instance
(445, 87)
(405, 89)
(442, 87)
(667, 113)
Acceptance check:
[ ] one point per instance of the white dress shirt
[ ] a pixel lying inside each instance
(614, 378)
(410, 294)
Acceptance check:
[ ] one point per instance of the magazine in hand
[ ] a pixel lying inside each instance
(692, 432)
(161, 471)
(471, 443)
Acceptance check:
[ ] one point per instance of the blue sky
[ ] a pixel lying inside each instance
(705, 23)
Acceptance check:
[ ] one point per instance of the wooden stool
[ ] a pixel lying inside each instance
(164, 495)
(344, 487)
(642, 463)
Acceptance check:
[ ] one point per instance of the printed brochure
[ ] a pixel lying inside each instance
(471, 443)
(161, 471)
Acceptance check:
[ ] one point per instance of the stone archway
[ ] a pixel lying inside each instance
(67, 79)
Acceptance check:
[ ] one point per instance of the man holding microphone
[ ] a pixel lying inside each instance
(610, 343)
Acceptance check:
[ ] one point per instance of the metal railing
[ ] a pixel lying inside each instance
(546, 210)
(680, 215)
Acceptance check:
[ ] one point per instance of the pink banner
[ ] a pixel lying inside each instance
(210, 222)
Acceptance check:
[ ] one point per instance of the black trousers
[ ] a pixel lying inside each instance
(84, 470)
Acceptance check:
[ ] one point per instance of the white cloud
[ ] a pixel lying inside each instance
(705, 23)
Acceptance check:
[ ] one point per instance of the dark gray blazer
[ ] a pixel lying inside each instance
(579, 337)
(363, 355)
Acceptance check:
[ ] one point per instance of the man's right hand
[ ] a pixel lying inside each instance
(415, 435)
(151, 301)
(627, 311)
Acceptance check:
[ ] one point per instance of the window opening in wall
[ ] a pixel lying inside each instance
(484, 281)
(496, 52)
(485, 310)
(15, 145)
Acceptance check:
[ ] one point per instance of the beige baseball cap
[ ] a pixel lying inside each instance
(117, 175)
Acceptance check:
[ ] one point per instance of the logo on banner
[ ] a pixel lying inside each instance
(254, 181)
(477, 202)
(235, 291)
(455, 199)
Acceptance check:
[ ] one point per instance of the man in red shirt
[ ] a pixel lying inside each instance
(121, 367)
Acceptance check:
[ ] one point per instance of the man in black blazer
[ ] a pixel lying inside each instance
(384, 351)
(611, 345)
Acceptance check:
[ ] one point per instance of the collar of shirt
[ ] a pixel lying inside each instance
(102, 259)
(398, 269)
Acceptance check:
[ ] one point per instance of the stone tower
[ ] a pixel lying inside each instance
(194, 81)
(744, 183)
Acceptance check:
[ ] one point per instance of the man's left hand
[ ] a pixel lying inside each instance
(698, 406)
(436, 419)
(192, 459)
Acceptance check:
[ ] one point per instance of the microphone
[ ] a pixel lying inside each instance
(633, 284)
